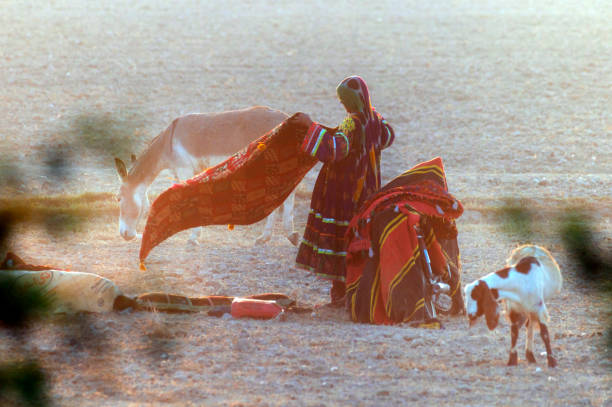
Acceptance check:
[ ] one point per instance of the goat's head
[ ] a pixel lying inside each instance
(480, 299)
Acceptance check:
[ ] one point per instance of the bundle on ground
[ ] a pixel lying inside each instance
(385, 276)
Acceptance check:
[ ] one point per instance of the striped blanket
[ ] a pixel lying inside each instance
(385, 279)
(241, 190)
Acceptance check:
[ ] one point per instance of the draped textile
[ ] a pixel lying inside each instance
(241, 190)
(385, 279)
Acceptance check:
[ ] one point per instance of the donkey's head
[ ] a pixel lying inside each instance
(133, 201)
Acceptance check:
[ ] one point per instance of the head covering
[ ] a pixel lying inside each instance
(355, 96)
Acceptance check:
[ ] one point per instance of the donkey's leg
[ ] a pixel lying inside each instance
(267, 232)
(199, 165)
(288, 205)
(180, 173)
(529, 341)
(194, 236)
(144, 213)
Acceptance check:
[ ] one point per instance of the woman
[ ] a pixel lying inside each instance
(351, 172)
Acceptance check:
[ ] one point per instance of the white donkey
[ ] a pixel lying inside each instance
(184, 148)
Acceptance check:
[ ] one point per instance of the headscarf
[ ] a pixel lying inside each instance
(355, 96)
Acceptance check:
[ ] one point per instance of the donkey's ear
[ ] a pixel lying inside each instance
(121, 169)
(133, 158)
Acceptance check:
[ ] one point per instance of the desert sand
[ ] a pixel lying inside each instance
(514, 96)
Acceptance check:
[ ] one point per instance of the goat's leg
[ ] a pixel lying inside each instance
(546, 338)
(529, 342)
(292, 235)
(517, 320)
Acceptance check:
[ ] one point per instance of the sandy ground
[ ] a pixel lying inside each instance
(514, 96)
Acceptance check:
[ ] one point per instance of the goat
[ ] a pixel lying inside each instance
(531, 277)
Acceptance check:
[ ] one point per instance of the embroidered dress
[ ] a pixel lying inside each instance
(351, 172)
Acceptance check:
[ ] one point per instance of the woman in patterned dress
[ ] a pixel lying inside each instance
(350, 173)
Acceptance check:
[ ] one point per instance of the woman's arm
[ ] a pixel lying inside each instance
(325, 144)
(387, 135)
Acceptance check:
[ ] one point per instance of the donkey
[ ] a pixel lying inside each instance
(184, 148)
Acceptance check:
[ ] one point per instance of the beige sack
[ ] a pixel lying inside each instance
(70, 291)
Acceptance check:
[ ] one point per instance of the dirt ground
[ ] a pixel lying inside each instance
(514, 96)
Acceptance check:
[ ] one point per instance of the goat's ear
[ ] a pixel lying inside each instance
(133, 158)
(121, 169)
(490, 309)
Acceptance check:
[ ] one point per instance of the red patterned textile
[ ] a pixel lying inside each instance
(384, 283)
(241, 190)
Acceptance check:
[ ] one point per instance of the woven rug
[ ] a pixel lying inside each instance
(241, 190)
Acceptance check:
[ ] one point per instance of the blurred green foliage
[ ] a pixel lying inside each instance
(594, 262)
(91, 136)
(10, 176)
(18, 304)
(23, 384)
(516, 219)
(107, 135)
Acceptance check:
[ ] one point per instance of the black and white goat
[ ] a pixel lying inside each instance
(532, 276)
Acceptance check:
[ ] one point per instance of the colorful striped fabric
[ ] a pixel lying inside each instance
(385, 279)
